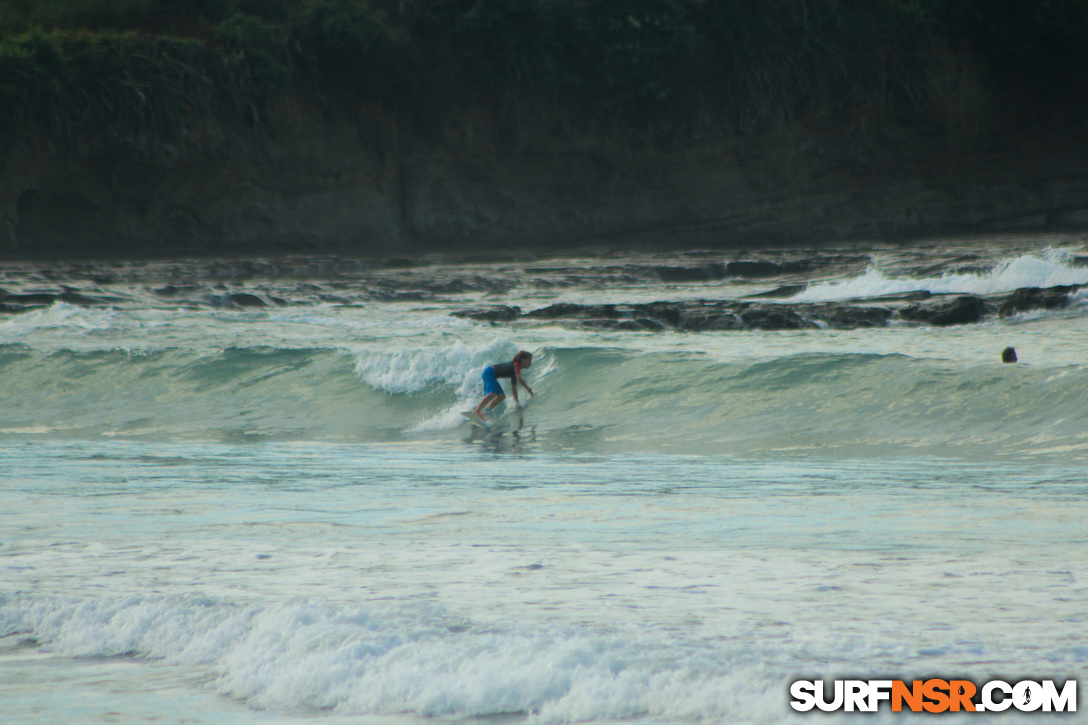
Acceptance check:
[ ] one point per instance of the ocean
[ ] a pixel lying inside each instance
(242, 490)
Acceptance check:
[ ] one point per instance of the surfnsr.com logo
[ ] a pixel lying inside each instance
(934, 695)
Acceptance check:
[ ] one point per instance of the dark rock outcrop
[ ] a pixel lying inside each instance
(709, 320)
(236, 299)
(20, 301)
(498, 313)
(569, 309)
(962, 310)
(700, 273)
(773, 317)
(786, 290)
(763, 268)
(849, 316)
(641, 324)
(711, 316)
(1034, 298)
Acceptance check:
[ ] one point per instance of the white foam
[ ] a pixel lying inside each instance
(470, 392)
(449, 418)
(1047, 269)
(58, 315)
(414, 370)
(409, 658)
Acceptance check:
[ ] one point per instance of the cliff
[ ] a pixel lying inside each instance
(366, 181)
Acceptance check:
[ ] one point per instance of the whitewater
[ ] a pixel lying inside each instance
(242, 491)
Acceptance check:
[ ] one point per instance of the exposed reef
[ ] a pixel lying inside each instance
(688, 300)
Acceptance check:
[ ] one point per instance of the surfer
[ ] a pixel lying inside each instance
(493, 392)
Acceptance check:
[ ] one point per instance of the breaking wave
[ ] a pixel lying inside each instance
(587, 397)
(1050, 268)
(417, 658)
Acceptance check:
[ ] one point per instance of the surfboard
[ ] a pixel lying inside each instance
(475, 421)
(503, 418)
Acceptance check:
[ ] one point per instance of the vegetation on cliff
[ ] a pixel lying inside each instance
(155, 68)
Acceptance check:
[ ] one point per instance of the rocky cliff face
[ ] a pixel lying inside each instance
(364, 182)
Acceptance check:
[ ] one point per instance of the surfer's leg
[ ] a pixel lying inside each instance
(493, 394)
(479, 411)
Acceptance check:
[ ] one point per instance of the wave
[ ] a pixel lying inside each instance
(588, 398)
(314, 656)
(852, 403)
(1050, 268)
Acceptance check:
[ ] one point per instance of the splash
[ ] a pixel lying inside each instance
(1049, 268)
(414, 370)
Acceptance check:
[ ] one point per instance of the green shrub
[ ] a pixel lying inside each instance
(1042, 42)
(67, 65)
(215, 11)
(770, 61)
(209, 11)
(123, 85)
(610, 56)
(132, 85)
(272, 11)
(20, 15)
(510, 44)
(32, 76)
(641, 50)
(259, 48)
(346, 44)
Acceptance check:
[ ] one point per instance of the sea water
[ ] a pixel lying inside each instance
(217, 513)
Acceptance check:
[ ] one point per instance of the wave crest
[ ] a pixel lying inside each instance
(314, 656)
(1050, 268)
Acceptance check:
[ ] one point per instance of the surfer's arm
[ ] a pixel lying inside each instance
(522, 381)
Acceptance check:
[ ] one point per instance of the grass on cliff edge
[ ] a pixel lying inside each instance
(150, 67)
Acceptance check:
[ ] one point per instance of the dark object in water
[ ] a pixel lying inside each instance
(1008, 355)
